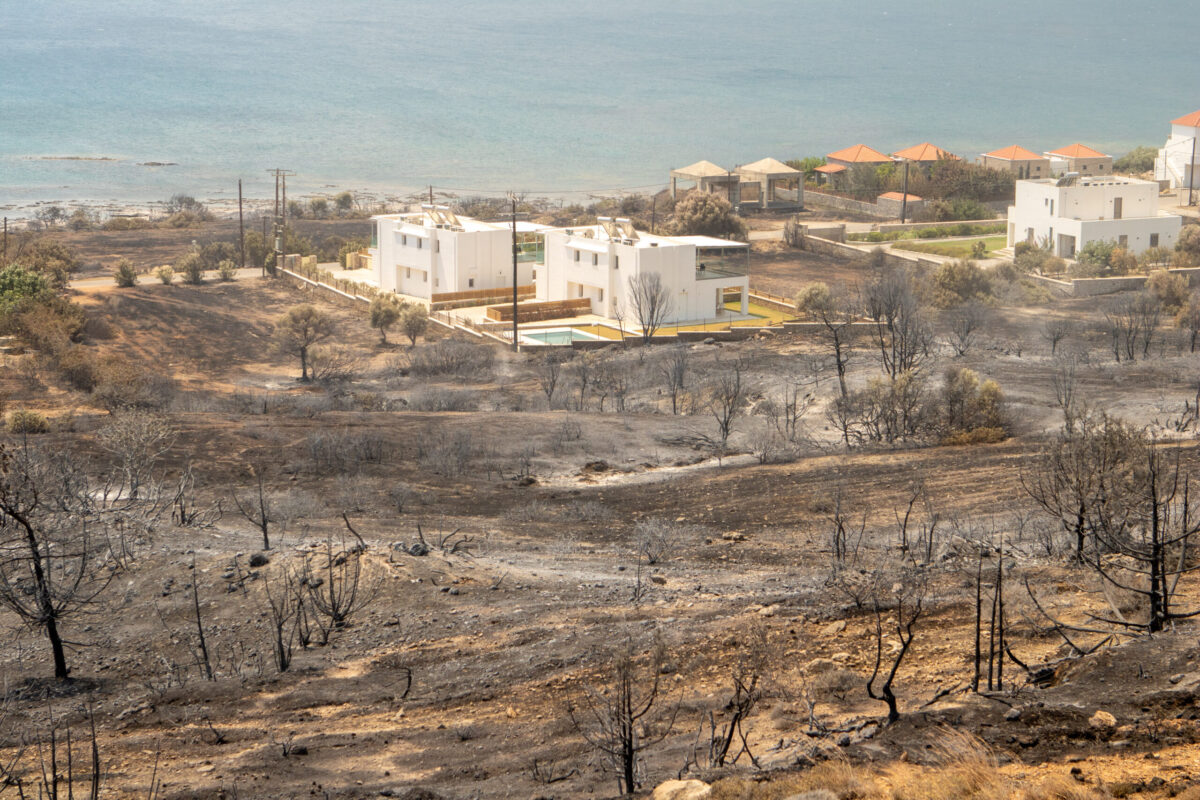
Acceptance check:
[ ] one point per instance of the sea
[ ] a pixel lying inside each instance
(124, 102)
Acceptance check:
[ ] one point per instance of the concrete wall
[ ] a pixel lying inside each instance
(1094, 287)
(890, 257)
(885, 227)
(812, 197)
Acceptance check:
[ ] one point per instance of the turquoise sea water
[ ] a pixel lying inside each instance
(555, 95)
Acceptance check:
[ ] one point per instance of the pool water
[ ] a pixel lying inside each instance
(560, 337)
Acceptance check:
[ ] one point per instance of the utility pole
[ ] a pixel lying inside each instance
(653, 211)
(904, 198)
(241, 228)
(264, 241)
(431, 194)
(1192, 171)
(516, 342)
(280, 213)
(4, 258)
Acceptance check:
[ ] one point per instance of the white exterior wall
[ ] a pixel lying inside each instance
(1174, 162)
(422, 260)
(1085, 211)
(606, 282)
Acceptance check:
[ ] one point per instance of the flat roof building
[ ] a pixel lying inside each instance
(1065, 214)
(700, 274)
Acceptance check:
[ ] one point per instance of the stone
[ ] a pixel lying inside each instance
(1176, 678)
(1102, 720)
(843, 740)
(834, 628)
(1013, 714)
(819, 665)
(681, 790)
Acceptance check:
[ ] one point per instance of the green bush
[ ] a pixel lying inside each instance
(191, 265)
(1139, 159)
(22, 420)
(227, 270)
(78, 366)
(165, 273)
(125, 274)
(961, 281)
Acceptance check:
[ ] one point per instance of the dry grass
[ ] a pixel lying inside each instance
(964, 769)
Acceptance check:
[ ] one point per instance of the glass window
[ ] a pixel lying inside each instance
(1154, 240)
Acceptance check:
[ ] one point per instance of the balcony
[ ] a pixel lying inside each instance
(722, 262)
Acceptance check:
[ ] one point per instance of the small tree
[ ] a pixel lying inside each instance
(385, 312)
(137, 439)
(125, 274)
(836, 311)
(674, 371)
(51, 566)
(727, 397)
(614, 718)
(299, 329)
(1187, 246)
(414, 320)
(227, 270)
(166, 274)
(650, 301)
(908, 612)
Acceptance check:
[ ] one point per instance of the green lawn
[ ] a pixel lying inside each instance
(959, 248)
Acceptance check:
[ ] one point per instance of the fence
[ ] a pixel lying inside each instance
(309, 271)
(535, 312)
(483, 295)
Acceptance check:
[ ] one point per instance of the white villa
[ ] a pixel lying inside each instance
(434, 252)
(1180, 157)
(1071, 211)
(700, 273)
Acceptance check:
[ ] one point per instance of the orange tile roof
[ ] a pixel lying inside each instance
(1078, 150)
(923, 152)
(859, 154)
(898, 196)
(1191, 120)
(1014, 153)
(829, 168)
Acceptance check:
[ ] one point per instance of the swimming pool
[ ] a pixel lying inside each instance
(559, 336)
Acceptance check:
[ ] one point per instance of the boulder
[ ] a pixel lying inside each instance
(1102, 720)
(681, 790)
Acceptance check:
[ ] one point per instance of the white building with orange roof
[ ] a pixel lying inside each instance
(1017, 160)
(924, 153)
(855, 155)
(1178, 160)
(1079, 158)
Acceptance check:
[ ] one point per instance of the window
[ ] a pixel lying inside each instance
(407, 272)
(1052, 208)
(595, 259)
(601, 295)
(404, 241)
(470, 283)
(420, 243)
(424, 277)
(616, 262)
(581, 290)
(1154, 240)
(1123, 240)
(576, 255)
(437, 246)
